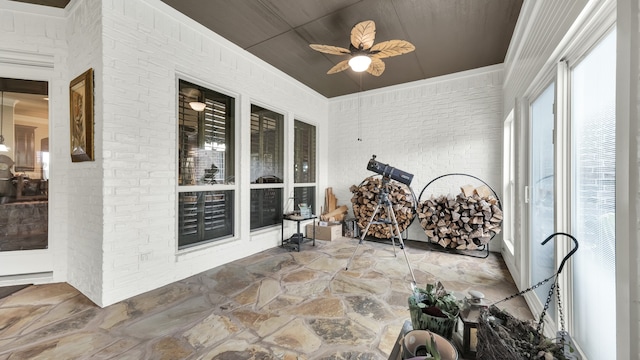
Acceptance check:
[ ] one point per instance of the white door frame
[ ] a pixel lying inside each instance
(28, 266)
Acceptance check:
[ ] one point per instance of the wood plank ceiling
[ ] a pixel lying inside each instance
(449, 35)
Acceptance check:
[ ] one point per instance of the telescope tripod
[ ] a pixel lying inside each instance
(383, 201)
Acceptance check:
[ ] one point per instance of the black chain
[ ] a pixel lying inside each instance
(526, 290)
(546, 307)
(560, 307)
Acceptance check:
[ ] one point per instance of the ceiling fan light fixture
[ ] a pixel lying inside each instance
(197, 105)
(360, 63)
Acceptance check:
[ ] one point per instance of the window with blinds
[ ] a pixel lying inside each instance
(304, 152)
(304, 167)
(206, 137)
(267, 167)
(205, 158)
(305, 195)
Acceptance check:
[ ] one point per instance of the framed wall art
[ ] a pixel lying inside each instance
(81, 115)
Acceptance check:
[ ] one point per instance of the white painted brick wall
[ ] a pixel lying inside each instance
(84, 184)
(113, 221)
(450, 124)
(146, 46)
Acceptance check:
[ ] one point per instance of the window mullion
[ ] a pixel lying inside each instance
(562, 141)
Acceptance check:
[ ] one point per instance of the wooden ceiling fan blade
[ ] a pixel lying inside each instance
(376, 68)
(341, 66)
(391, 48)
(328, 49)
(363, 35)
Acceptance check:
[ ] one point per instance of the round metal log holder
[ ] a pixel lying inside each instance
(483, 249)
(363, 219)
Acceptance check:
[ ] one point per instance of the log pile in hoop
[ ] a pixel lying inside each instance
(464, 221)
(365, 198)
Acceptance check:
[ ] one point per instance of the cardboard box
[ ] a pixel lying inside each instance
(328, 232)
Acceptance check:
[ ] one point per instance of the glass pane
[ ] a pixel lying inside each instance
(304, 153)
(206, 137)
(267, 146)
(204, 216)
(542, 194)
(508, 182)
(304, 195)
(24, 165)
(266, 207)
(594, 123)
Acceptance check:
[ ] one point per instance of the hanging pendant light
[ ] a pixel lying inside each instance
(3, 147)
(197, 105)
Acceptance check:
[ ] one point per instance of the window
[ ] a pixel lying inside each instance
(508, 183)
(304, 167)
(24, 174)
(304, 195)
(572, 189)
(593, 120)
(25, 147)
(267, 167)
(542, 192)
(304, 153)
(206, 165)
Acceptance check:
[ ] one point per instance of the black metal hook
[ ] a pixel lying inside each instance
(575, 248)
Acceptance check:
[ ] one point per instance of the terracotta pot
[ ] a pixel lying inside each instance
(414, 344)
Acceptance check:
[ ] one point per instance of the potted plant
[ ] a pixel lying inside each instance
(426, 345)
(434, 309)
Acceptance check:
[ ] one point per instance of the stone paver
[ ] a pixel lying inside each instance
(272, 305)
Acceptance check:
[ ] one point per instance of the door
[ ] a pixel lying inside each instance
(542, 214)
(24, 183)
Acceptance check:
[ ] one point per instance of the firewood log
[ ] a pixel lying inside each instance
(466, 221)
(365, 199)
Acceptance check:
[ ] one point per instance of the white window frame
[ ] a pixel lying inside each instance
(295, 185)
(235, 186)
(281, 185)
(595, 23)
(508, 186)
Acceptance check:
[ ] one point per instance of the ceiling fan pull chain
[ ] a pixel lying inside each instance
(358, 104)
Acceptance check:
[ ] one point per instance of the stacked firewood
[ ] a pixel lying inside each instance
(466, 221)
(332, 212)
(365, 198)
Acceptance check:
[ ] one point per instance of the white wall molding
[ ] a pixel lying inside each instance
(498, 68)
(16, 6)
(26, 58)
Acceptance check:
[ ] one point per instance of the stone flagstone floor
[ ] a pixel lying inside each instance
(272, 305)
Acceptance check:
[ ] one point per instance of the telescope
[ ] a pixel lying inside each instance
(389, 171)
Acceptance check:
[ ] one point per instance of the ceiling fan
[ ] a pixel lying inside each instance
(365, 55)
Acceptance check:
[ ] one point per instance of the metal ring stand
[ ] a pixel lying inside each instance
(484, 248)
(414, 208)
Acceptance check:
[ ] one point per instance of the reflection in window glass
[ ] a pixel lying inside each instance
(205, 159)
(305, 195)
(304, 153)
(267, 146)
(266, 207)
(24, 165)
(267, 166)
(204, 215)
(593, 106)
(542, 193)
(206, 137)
